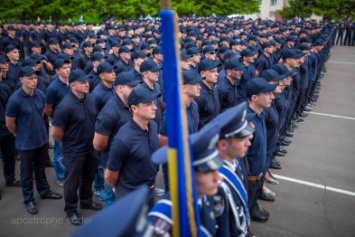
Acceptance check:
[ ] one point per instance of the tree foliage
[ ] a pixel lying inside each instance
(93, 10)
(329, 9)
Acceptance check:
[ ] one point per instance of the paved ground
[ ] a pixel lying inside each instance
(322, 152)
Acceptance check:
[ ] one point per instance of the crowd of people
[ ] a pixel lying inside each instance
(346, 34)
(247, 87)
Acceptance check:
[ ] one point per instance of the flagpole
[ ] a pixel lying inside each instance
(179, 159)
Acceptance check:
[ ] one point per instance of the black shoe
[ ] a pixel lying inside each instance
(278, 153)
(49, 164)
(267, 197)
(274, 164)
(284, 143)
(291, 129)
(15, 183)
(258, 215)
(93, 206)
(283, 150)
(31, 207)
(303, 115)
(294, 126)
(52, 195)
(287, 140)
(74, 219)
(262, 210)
(289, 134)
(300, 120)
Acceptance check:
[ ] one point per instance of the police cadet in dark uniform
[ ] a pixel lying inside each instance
(11, 39)
(150, 75)
(85, 55)
(191, 90)
(124, 63)
(24, 119)
(247, 59)
(74, 125)
(282, 104)
(13, 55)
(56, 91)
(231, 202)
(228, 87)
(7, 139)
(272, 120)
(113, 115)
(137, 58)
(102, 93)
(265, 59)
(114, 57)
(260, 95)
(195, 57)
(206, 163)
(129, 164)
(208, 102)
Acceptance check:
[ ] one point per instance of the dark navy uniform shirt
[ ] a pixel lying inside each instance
(110, 119)
(130, 154)
(248, 74)
(262, 63)
(137, 75)
(257, 152)
(94, 81)
(272, 125)
(77, 119)
(208, 104)
(122, 66)
(31, 132)
(14, 72)
(102, 94)
(113, 59)
(56, 91)
(5, 93)
(228, 94)
(192, 120)
(158, 103)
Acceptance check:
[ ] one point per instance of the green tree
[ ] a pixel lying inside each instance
(329, 9)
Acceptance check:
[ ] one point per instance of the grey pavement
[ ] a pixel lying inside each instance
(322, 152)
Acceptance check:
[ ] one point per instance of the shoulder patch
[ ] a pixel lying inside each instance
(161, 227)
(218, 205)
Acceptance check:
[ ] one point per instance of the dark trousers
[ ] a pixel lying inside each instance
(121, 192)
(7, 146)
(34, 161)
(253, 190)
(79, 174)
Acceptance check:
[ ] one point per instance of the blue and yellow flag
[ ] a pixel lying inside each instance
(181, 178)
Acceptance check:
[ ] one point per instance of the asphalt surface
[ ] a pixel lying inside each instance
(322, 153)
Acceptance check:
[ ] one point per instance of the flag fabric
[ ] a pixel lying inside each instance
(183, 193)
